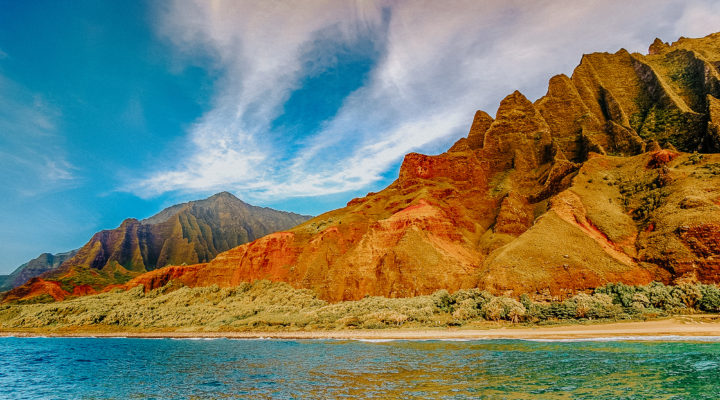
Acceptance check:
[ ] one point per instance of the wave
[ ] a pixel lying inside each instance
(657, 338)
(661, 338)
(412, 340)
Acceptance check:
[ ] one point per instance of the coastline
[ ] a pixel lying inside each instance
(695, 326)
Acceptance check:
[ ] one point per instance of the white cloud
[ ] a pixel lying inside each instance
(698, 20)
(440, 61)
(32, 155)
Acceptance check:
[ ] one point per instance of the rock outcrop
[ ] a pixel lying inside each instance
(37, 290)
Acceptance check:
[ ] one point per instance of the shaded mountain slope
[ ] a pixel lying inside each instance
(592, 183)
(187, 233)
(43, 263)
(182, 234)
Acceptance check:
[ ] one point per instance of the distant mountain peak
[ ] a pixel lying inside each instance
(224, 194)
(187, 233)
(37, 266)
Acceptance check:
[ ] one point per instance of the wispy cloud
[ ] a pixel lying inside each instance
(439, 61)
(32, 155)
(698, 19)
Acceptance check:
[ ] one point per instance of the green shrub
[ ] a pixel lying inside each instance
(503, 308)
(267, 305)
(556, 310)
(710, 300)
(640, 301)
(686, 295)
(619, 292)
(443, 301)
(467, 310)
(597, 306)
(660, 296)
(604, 307)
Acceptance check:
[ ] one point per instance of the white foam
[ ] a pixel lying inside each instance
(413, 340)
(629, 338)
(664, 338)
(661, 338)
(705, 365)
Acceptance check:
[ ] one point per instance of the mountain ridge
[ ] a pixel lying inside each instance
(601, 180)
(551, 197)
(185, 233)
(37, 266)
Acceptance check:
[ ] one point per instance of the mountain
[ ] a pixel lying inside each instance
(595, 182)
(186, 233)
(43, 263)
(609, 177)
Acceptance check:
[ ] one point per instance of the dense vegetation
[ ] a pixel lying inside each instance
(264, 305)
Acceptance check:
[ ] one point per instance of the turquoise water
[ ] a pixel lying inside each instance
(90, 368)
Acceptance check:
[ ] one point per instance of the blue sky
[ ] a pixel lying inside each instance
(117, 109)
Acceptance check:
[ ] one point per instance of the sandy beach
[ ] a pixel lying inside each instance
(686, 326)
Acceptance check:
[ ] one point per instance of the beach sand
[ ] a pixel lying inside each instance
(684, 326)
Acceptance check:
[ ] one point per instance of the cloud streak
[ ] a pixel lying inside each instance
(32, 156)
(438, 62)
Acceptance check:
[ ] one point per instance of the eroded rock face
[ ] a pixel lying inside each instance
(703, 241)
(515, 215)
(592, 183)
(476, 137)
(34, 288)
(519, 138)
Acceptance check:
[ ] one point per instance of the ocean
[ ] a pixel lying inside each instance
(109, 368)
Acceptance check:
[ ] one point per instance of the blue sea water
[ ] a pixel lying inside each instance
(94, 368)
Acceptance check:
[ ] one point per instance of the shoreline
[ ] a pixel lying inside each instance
(696, 326)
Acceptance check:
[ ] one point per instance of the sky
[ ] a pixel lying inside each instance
(116, 109)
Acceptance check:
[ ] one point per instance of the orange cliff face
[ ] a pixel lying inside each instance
(37, 288)
(412, 238)
(590, 184)
(432, 234)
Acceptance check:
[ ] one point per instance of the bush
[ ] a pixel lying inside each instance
(710, 300)
(660, 296)
(388, 317)
(558, 310)
(468, 309)
(620, 293)
(640, 301)
(443, 301)
(686, 295)
(493, 310)
(503, 308)
(603, 306)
